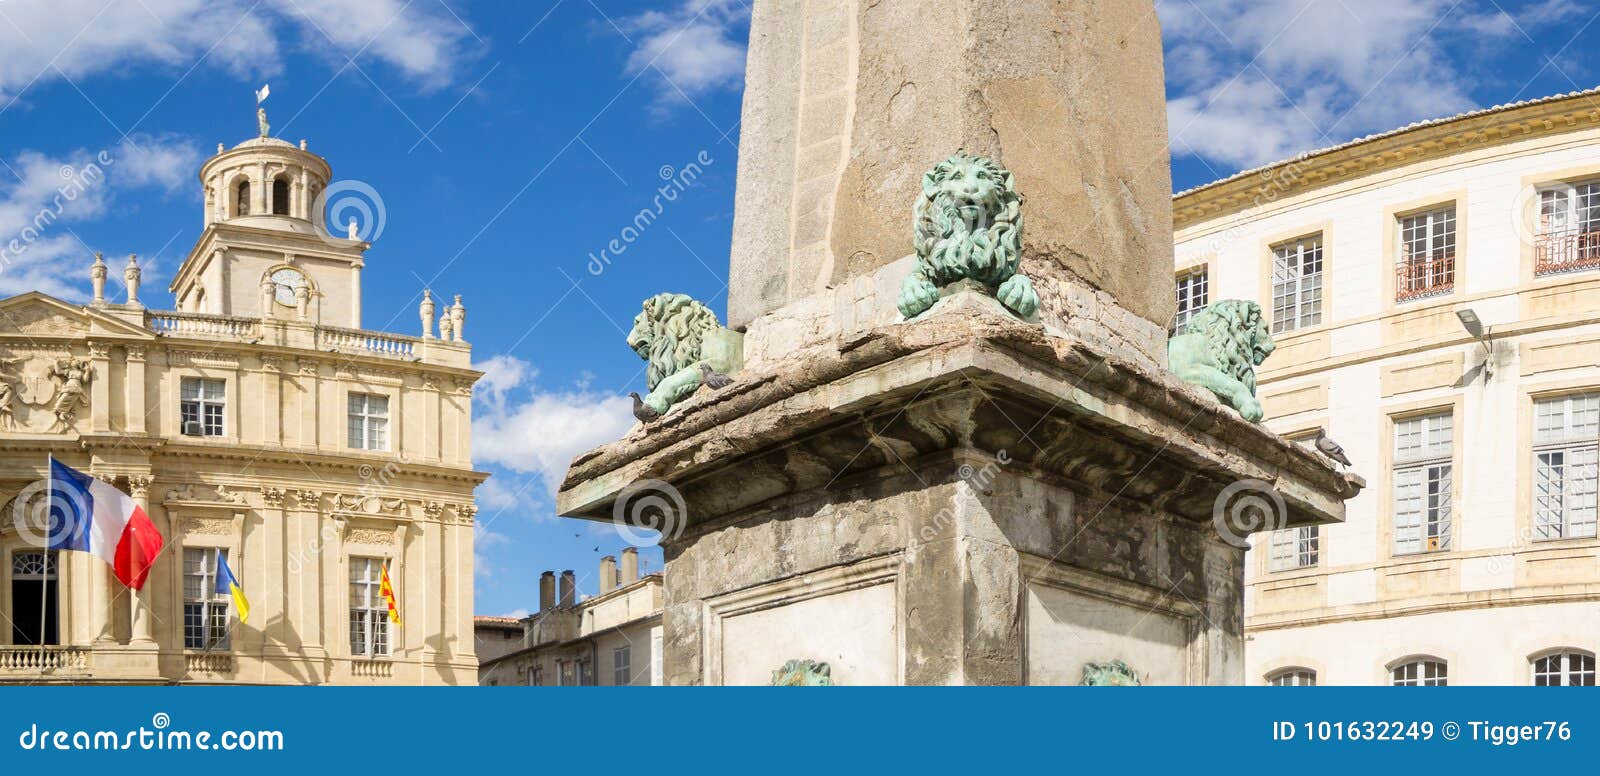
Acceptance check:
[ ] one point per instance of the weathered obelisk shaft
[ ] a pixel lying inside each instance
(847, 103)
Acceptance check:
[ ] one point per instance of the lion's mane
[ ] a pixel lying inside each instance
(668, 333)
(948, 248)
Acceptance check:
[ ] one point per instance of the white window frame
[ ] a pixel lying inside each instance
(1297, 283)
(621, 665)
(367, 427)
(1294, 548)
(369, 613)
(1566, 450)
(1420, 672)
(1423, 483)
(211, 629)
(1193, 294)
(1428, 238)
(1292, 677)
(207, 405)
(1562, 668)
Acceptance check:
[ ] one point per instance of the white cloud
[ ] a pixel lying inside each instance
(47, 195)
(693, 49)
(532, 431)
(46, 39)
(1252, 82)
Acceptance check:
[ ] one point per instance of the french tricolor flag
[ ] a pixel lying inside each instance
(88, 515)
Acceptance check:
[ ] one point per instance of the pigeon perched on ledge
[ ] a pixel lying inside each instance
(644, 412)
(1330, 448)
(714, 379)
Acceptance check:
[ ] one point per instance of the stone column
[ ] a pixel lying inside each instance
(136, 410)
(144, 600)
(100, 387)
(355, 294)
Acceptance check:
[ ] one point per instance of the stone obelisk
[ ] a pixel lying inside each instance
(973, 495)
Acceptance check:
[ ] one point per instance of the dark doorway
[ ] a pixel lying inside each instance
(33, 585)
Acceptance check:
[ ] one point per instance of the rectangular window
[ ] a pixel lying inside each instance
(1427, 254)
(369, 614)
(1569, 229)
(536, 677)
(1566, 431)
(1193, 295)
(205, 612)
(1295, 548)
(563, 673)
(201, 406)
(1297, 283)
(621, 671)
(585, 673)
(1423, 447)
(369, 421)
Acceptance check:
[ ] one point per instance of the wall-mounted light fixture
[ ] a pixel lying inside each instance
(1474, 326)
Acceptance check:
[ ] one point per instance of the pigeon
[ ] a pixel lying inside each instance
(716, 380)
(1330, 448)
(644, 412)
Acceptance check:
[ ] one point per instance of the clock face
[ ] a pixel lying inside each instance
(286, 281)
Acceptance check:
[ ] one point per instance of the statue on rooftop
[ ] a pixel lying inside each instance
(261, 120)
(1219, 350)
(968, 225)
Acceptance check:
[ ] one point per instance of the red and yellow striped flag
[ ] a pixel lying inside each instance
(387, 591)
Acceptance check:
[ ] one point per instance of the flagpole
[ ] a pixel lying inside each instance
(44, 575)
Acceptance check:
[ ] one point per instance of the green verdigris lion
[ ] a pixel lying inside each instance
(968, 225)
(1219, 351)
(672, 333)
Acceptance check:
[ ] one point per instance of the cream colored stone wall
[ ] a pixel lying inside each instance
(1496, 596)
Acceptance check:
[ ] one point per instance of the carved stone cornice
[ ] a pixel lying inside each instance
(1418, 142)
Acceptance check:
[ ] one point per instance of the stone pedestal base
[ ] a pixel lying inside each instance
(962, 499)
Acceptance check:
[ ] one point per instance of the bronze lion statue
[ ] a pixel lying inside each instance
(670, 333)
(968, 226)
(1219, 351)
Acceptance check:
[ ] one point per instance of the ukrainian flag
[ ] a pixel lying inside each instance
(226, 583)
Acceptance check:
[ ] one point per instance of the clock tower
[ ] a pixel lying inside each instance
(265, 251)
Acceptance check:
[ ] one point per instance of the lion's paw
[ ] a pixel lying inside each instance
(1017, 295)
(916, 296)
(1250, 409)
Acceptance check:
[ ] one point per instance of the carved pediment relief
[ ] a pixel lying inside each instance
(205, 494)
(42, 318)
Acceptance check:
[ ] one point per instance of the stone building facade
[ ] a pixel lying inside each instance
(259, 424)
(1435, 292)
(610, 639)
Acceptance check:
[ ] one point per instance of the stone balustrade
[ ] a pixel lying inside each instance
(377, 669)
(36, 660)
(205, 325)
(366, 342)
(208, 663)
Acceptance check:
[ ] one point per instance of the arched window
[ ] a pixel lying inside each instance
(241, 199)
(280, 197)
(1420, 672)
(1563, 668)
(1292, 677)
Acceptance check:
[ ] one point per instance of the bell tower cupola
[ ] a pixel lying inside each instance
(265, 251)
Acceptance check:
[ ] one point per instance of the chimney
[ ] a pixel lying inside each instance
(569, 588)
(608, 574)
(547, 591)
(630, 566)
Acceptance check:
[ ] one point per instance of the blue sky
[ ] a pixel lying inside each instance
(510, 142)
